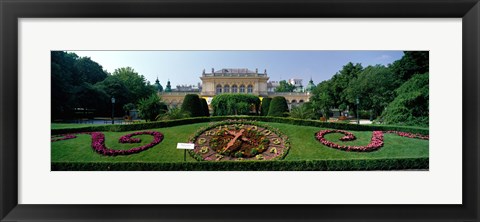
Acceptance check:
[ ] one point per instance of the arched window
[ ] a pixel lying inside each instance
(242, 89)
(294, 101)
(249, 89)
(219, 89)
(301, 101)
(234, 89)
(226, 89)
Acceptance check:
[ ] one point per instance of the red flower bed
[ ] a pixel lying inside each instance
(375, 143)
(98, 142)
(409, 135)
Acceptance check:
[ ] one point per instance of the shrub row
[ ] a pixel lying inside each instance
(303, 165)
(234, 104)
(301, 122)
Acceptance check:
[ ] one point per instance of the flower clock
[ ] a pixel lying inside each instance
(98, 142)
(239, 141)
(375, 143)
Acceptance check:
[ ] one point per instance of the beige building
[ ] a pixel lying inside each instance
(235, 81)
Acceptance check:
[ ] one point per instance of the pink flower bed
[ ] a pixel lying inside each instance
(409, 135)
(375, 143)
(98, 142)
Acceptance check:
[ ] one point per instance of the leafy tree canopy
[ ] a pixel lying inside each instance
(411, 106)
(322, 97)
(285, 86)
(135, 83)
(374, 87)
(412, 62)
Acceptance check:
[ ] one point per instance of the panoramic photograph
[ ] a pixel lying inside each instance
(269, 110)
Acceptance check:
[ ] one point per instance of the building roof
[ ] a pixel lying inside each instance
(235, 71)
(229, 72)
(310, 85)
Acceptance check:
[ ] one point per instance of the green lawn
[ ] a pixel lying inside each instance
(304, 146)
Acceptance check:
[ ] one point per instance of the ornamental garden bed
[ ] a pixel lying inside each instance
(304, 150)
(239, 140)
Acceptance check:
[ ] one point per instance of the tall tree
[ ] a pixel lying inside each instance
(322, 98)
(411, 106)
(89, 97)
(339, 83)
(412, 62)
(374, 87)
(62, 64)
(285, 86)
(135, 83)
(114, 87)
(88, 71)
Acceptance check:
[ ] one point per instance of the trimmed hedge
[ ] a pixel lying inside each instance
(301, 122)
(204, 104)
(278, 107)
(303, 165)
(234, 104)
(265, 106)
(192, 105)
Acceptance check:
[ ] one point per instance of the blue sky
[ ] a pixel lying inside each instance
(185, 67)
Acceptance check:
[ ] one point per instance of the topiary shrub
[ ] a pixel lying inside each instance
(206, 111)
(278, 107)
(192, 105)
(265, 106)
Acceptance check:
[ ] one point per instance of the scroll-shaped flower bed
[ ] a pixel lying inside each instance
(375, 143)
(239, 140)
(98, 142)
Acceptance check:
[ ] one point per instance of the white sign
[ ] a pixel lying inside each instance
(187, 146)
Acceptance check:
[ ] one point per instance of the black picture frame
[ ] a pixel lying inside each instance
(11, 11)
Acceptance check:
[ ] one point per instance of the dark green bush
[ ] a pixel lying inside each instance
(206, 112)
(280, 165)
(192, 105)
(265, 106)
(278, 107)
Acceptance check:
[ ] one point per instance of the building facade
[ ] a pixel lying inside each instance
(235, 81)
